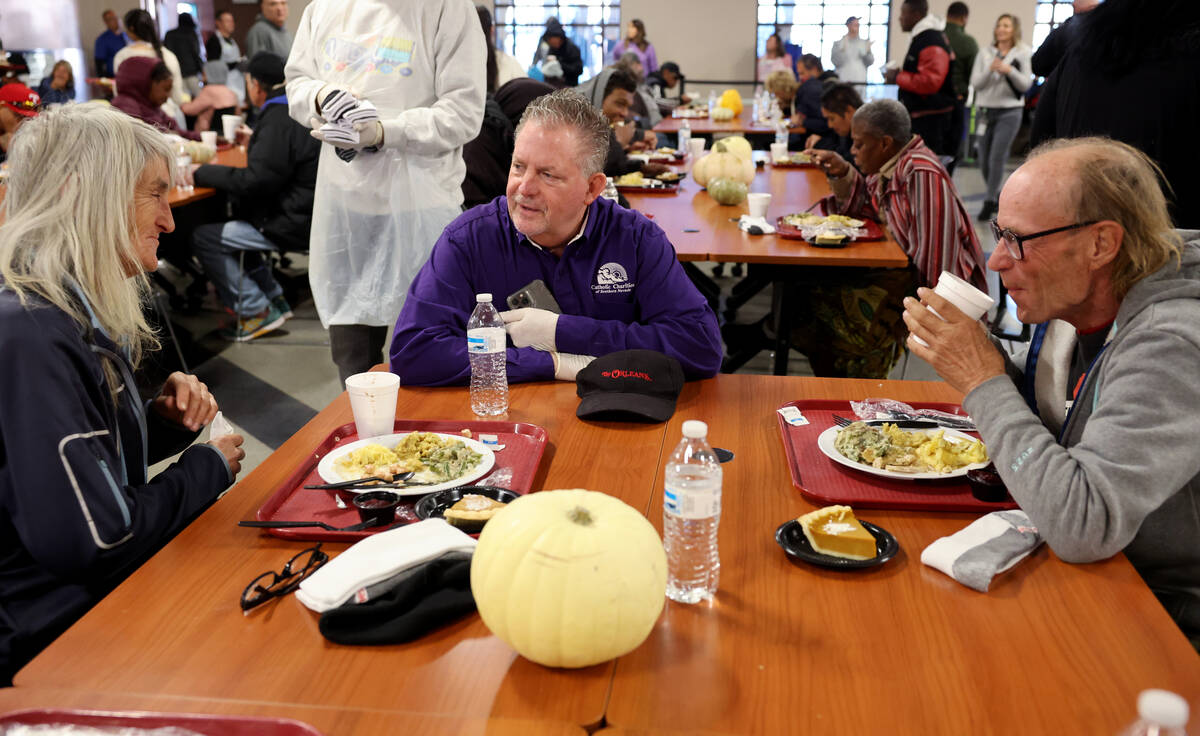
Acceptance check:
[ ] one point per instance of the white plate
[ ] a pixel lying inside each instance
(826, 439)
(330, 473)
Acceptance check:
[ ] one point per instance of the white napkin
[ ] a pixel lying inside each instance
(746, 221)
(379, 557)
(987, 547)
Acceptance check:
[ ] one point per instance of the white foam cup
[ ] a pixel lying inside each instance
(970, 301)
(758, 203)
(209, 139)
(779, 152)
(373, 401)
(697, 147)
(230, 124)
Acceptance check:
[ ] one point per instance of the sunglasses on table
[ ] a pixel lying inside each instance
(273, 584)
(1016, 243)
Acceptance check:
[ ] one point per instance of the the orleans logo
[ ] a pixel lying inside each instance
(618, 373)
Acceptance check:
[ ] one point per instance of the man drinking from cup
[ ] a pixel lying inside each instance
(1093, 428)
(599, 278)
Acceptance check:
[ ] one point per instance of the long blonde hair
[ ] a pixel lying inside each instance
(1115, 181)
(68, 217)
(1016, 24)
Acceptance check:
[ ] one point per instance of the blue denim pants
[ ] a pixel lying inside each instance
(218, 247)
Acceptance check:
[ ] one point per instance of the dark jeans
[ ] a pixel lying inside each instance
(935, 131)
(356, 348)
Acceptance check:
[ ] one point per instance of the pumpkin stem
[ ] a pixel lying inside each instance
(580, 516)
(719, 148)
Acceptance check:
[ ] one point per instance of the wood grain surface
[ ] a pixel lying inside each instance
(791, 648)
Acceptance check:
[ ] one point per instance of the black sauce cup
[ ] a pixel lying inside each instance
(377, 507)
(986, 484)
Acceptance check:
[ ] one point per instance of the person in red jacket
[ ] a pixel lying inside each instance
(926, 88)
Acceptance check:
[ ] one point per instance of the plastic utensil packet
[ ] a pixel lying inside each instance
(892, 409)
(219, 427)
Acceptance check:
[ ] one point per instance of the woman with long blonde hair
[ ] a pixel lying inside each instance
(86, 202)
(1001, 76)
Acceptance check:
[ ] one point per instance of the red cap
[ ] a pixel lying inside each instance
(20, 99)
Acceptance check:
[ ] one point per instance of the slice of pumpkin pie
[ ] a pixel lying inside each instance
(834, 531)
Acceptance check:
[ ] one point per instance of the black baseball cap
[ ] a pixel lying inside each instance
(629, 386)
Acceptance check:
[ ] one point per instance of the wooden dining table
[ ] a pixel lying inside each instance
(703, 230)
(783, 648)
(743, 123)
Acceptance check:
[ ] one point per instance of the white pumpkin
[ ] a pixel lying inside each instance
(720, 164)
(569, 578)
(738, 146)
(722, 114)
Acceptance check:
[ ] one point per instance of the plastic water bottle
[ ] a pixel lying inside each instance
(1160, 713)
(691, 515)
(712, 101)
(781, 132)
(685, 136)
(610, 190)
(486, 349)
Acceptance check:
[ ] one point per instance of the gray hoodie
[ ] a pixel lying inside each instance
(1123, 473)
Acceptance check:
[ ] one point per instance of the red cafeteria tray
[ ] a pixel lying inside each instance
(201, 723)
(825, 482)
(791, 232)
(523, 448)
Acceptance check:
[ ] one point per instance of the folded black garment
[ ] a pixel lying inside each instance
(405, 607)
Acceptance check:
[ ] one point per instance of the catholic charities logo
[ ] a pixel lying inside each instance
(612, 278)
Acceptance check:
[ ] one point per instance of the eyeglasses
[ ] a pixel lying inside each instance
(273, 584)
(1016, 243)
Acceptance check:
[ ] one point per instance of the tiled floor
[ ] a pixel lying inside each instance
(270, 387)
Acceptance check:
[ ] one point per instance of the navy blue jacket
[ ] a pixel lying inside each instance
(77, 512)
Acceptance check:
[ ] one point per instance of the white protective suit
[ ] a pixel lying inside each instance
(422, 63)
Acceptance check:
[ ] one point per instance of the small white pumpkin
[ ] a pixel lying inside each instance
(721, 164)
(722, 114)
(569, 578)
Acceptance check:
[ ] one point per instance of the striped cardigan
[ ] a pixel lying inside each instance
(923, 211)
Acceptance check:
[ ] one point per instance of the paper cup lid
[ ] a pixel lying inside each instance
(955, 289)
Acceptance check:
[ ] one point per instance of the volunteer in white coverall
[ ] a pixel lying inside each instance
(376, 216)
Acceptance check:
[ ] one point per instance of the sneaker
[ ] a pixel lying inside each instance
(282, 305)
(987, 212)
(249, 328)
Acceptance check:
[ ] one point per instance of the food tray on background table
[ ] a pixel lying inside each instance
(795, 164)
(657, 188)
(201, 723)
(823, 481)
(791, 232)
(290, 501)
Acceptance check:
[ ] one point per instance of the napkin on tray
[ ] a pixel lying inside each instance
(380, 557)
(986, 547)
(761, 222)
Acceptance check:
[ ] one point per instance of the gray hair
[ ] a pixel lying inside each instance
(568, 108)
(885, 118)
(68, 217)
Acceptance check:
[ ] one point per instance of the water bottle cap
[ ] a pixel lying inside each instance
(483, 298)
(695, 429)
(1162, 707)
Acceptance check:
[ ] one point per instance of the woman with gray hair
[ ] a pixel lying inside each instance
(86, 202)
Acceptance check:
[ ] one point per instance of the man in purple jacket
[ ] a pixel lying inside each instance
(612, 272)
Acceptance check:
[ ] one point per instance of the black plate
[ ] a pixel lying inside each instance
(432, 506)
(791, 537)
